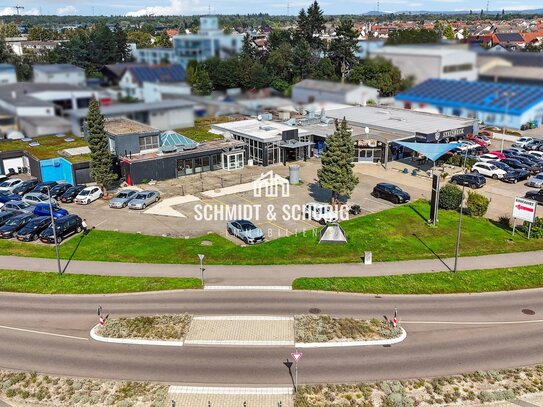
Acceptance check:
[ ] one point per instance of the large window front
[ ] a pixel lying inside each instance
(149, 142)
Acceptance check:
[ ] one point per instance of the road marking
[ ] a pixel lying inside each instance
(534, 321)
(104, 221)
(43, 333)
(279, 227)
(245, 199)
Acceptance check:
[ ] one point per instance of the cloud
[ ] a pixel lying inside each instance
(519, 7)
(174, 8)
(10, 11)
(65, 11)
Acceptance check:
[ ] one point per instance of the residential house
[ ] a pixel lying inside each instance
(134, 77)
(67, 74)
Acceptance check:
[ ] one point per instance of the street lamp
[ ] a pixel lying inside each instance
(508, 95)
(201, 257)
(460, 218)
(54, 228)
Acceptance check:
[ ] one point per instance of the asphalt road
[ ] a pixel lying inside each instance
(446, 335)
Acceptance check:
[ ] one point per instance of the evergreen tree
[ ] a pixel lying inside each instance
(201, 84)
(324, 69)
(343, 47)
(101, 161)
(247, 48)
(336, 173)
(315, 25)
(379, 73)
(280, 62)
(122, 53)
(302, 59)
(448, 32)
(164, 40)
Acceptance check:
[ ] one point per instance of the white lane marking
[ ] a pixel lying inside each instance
(43, 333)
(533, 321)
(104, 221)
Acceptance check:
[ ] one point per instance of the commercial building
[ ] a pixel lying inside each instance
(146, 153)
(210, 41)
(424, 62)
(66, 74)
(499, 104)
(311, 90)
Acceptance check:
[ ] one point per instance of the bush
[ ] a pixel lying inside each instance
(477, 204)
(537, 228)
(450, 197)
(458, 160)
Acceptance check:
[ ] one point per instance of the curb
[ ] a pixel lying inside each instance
(346, 344)
(248, 287)
(100, 338)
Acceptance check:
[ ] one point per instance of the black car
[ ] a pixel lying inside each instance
(479, 150)
(43, 186)
(8, 230)
(535, 195)
(510, 153)
(7, 215)
(472, 180)
(515, 176)
(64, 227)
(515, 164)
(391, 193)
(71, 193)
(25, 186)
(59, 189)
(31, 231)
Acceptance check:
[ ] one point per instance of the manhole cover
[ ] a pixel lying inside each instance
(314, 310)
(528, 311)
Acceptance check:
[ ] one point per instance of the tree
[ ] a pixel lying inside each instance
(450, 197)
(380, 73)
(448, 32)
(343, 47)
(279, 37)
(302, 59)
(140, 38)
(324, 70)
(100, 162)
(122, 51)
(41, 34)
(9, 30)
(201, 84)
(247, 50)
(413, 36)
(315, 25)
(280, 62)
(164, 40)
(336, 173)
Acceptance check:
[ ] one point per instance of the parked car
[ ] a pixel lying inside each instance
(516, 164)
(466, 145)
(18, 206)
(510, 153)
(498, 154)
(7, 215)
(8, 196)
(44, 209)
(3, 178)
(514, 176)
(88, 195)
(533, 145)
(390, 192)
(64, 227)
(31, 231)
(480, 139)
(59, 189)
(472, 180)
(536, 181)
(536, 153)
(488, 170)
(8, 230)
(71, 193)
(522, 142)
(246, 231)
(25, 186)
(488, 157)
(535, 195)
(320, 212)
(34, 198)
(534, 167)
(10, 184)
(42, 187)
(122, 198)
(143, 199)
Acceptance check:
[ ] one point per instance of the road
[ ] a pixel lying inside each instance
(446, 335)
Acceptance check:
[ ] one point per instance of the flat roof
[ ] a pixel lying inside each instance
(262, 130)
(121, 126)
(518, 72)
(425, 49)
(401, 122)
(328, 86)
(56, 68)
(135, 107)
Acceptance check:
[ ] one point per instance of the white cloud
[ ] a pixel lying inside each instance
(174, 8)
(10, 11)
(67, 10)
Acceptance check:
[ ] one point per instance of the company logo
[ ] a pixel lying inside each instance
(271, 185)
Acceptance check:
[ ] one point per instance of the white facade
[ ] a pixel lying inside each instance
(172, 118)
(431, 62)
(309, 91)
(65, 74)
(155, 92)
(130, 87)
(7, 74)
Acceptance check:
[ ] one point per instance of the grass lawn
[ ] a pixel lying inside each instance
(200, 131)
(472, 281)
(400, 233)
(51, 283)
(49, 147)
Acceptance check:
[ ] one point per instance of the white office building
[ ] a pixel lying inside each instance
(65, 74)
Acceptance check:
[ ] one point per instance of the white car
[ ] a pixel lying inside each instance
(10, 184)
(88, 195)
(467, 145)
(538, 154)
(322, 213)
(488, 170)
(488, 157)
(521, 142)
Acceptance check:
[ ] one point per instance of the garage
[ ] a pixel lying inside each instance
(16, 163)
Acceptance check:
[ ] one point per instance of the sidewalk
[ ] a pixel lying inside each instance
(273, 275)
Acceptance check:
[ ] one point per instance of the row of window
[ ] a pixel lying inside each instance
(457, 68)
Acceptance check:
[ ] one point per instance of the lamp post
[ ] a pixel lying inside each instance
(54, 229)
(508, 95)
(201, 257)
(460, 218)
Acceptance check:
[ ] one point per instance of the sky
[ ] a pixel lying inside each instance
(189, 7)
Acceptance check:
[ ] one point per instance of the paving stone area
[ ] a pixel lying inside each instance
(187, 396)
(240, 330)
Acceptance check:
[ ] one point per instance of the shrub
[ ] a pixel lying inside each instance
(458, 161)
(450, 197)
(477, 204)
(537, 228)
(504, 221)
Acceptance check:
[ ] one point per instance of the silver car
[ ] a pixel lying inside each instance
(536, 181)
(18, 206)
(143, 199)
(123, 198)
(246, 231)
(34, 198)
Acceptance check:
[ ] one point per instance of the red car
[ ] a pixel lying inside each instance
(480, 139)
(498, 154)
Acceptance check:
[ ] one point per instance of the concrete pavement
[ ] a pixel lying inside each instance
(273, 275)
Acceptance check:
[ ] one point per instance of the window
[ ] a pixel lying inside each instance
(148, 142)
(457, 68)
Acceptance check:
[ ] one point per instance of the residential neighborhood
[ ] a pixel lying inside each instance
(271, 205)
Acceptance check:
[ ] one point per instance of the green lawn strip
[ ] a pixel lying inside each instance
(472, 281)
(49, 146)
(51, 283)
(400, 233)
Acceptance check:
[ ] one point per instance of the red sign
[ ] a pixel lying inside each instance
(297, 356)
(524, 208)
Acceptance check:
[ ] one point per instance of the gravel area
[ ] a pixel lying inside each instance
(160, 327)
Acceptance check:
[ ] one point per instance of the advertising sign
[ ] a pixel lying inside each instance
(524, 209)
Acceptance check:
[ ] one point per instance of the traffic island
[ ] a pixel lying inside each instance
(304, 331)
